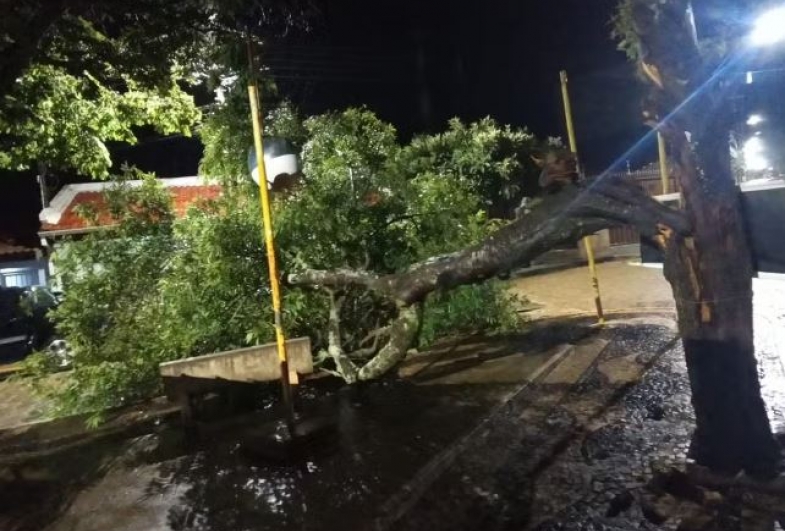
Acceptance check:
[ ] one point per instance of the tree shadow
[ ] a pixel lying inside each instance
(460, 354)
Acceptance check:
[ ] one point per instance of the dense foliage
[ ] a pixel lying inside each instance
(492, 160)
(76, 76)
(113, 301)
(157, 288)
(79, 75)
(66, 121)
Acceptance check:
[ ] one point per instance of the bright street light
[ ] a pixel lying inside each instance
(769, 28)
(754, 119)
(754, 158)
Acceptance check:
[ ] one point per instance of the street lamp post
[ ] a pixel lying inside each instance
(269, 240)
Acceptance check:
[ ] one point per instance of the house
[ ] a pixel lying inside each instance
(21, 266)
(61, 217)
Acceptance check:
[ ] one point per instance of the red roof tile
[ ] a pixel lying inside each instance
(182, 198)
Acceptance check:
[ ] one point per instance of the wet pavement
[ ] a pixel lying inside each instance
(383, 469)
(215, 479)
(504, 480)
(444, 452)
(172, 479)
(624, 287)
(573, 459)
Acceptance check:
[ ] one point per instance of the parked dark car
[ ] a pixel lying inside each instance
(24, 324)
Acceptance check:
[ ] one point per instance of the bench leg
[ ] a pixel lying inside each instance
(186, 403)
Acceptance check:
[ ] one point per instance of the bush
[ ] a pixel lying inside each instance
(470, 309)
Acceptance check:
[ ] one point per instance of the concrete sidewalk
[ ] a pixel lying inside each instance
(624, 288)
(19, 405)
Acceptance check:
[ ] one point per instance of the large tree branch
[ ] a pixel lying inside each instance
(336, 279)
(566, 216)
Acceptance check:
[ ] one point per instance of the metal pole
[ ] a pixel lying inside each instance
(664, 177)
(587, 240)
(269, 241)
(42, 184)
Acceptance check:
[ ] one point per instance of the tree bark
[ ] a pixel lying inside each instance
(572, 213)
(567, 216)
(711, 270)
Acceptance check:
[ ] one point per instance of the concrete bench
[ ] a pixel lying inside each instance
(187, 378)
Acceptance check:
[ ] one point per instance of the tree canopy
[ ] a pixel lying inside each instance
(76, 75)
(368, 202)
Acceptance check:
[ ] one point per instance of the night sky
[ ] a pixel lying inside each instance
(417, 64)
(420, 63)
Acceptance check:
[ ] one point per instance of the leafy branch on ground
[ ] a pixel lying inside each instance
(155, 288)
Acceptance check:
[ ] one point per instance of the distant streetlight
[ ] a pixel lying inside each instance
(754, 119)
(754, 154)
(769, 28)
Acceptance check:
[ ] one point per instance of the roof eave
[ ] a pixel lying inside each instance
(56, 233)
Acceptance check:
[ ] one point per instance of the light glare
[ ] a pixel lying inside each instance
(754, 159)
(754, 119)
(769, 28)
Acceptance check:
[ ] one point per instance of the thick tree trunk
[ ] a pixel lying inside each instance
(711, 275)
(711, 270)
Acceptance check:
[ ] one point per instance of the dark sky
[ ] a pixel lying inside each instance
(418, 63)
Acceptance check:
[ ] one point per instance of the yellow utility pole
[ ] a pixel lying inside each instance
(664, 176)
(269, 241)
(587, 240)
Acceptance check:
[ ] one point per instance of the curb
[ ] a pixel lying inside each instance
(563, 266)
(40, 439)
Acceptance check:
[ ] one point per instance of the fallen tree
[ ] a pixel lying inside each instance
(566, 216)
(707, 256)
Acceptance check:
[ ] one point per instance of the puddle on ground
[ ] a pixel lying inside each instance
(173, 480)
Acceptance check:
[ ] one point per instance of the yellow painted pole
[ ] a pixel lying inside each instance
(269, 242)
(664, 176)
(587, 240)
